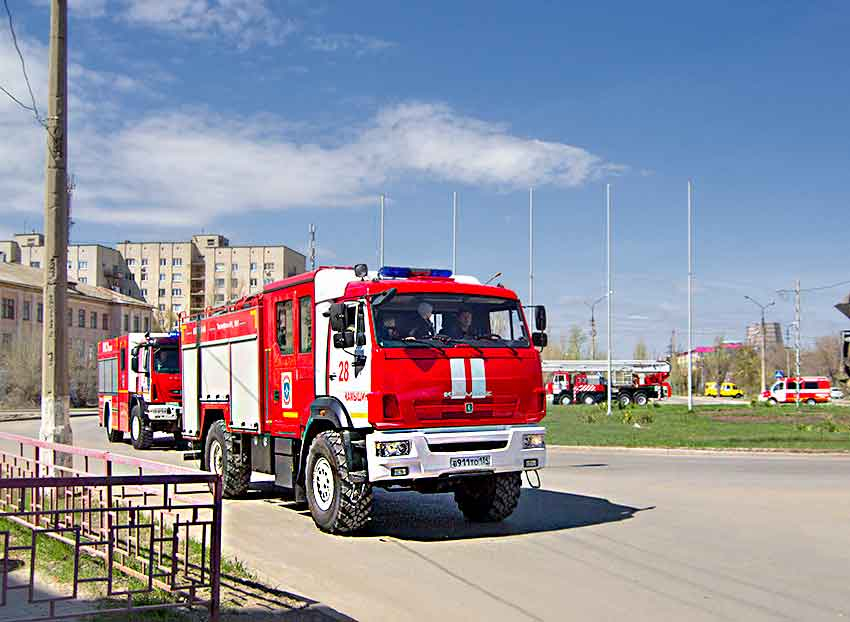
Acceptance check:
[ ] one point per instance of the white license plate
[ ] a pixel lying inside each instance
(470, 462)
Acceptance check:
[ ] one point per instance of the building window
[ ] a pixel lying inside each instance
(253, 282)
(253, 266)
(219, 297)
(161, 276)
(135, 323)
(126, 323)
(82, 265)
(162, 307)
(143, 276)
(70, 317)
(7, 340)
(144, 293)
(305, 324)
(104, 322)
(144, 261)
(234, 282)
(162, 291)
(93, 320)
(211, 242)
(176, 291)
(177, 308)
(219, 282)
(39, 312)
(219, 267)
(35, 264)
(267, 280)
(268, 266)
(177, 277)
(177, 261)
(26, 311)
(131, 262)
(147, 324)
(163, 261)
(8, 308)
(81, 318)
(84, 279)
(234, 267)
(284, 326)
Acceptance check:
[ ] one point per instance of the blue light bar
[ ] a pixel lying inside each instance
(398, 272)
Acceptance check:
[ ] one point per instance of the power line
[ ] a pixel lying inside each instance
(34, 108)
(785, 292)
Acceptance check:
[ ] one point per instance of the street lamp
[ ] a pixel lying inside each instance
(763, 339)
(592, 307)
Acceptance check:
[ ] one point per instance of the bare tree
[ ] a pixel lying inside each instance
(575, 342)
(641, 351)
(20, 370)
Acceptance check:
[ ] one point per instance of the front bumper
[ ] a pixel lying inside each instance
(163, 412)
(432, 451)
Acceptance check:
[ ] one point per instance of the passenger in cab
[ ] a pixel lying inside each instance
(461, 328)
(421, 327)
(390, 330)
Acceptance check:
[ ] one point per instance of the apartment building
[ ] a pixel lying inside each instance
(204, 271)
(772, 334)
(94, 313)
(89, 264)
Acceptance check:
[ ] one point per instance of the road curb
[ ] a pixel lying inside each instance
(703, 450)
(7, 417)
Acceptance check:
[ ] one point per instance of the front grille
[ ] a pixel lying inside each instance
(456, 409)
(467, 446)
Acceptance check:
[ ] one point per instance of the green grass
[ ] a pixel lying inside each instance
(821, 427)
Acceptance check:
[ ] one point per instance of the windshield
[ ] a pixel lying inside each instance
(443, 320)
(166, 361)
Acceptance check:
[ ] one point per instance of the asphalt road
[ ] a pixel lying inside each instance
(626, 535)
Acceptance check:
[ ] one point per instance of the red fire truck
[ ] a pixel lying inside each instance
(139, 386)
(813, 390)
(635, 381)
(340, 379)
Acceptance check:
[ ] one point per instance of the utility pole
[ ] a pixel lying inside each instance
(312, 247)
(454, 232)
(690, 300)
(763, 339)
(592, 307)
(610, 292)
(797, 340)
(55, 402)
(531, 246)
(381, 236)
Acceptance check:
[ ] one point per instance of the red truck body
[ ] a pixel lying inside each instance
(139, 386)
(813, 390)
(313, 356)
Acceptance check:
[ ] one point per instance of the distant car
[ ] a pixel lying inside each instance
(727, 389)
(836, 393)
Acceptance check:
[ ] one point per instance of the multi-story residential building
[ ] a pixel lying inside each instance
(89, 264)
(172, 276)
(772, 335)
(204, 271)
(94, 313)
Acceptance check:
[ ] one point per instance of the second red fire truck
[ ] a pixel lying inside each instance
(139, 386)
(584, 382)
(340, 380)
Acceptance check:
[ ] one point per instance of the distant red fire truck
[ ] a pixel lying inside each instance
(813, 390)
(635, 381)
(340, 379)
(139, 386)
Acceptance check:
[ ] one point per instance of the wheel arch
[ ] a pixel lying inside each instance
(326, 414)
(210, 416)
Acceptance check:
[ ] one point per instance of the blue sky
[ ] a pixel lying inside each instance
(257, 118)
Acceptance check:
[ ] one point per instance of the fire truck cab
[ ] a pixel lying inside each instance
(139, 386)
(340, 379)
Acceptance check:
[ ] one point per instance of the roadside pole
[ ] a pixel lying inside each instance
(797, 340)
(763, 338)
(55, 400)
(690, 300)
(531, 247)
(381, 236)
(312, 250)
(454, 232)
(610, 293)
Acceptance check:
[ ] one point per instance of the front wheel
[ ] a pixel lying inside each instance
(489, 498)
(565, 399)
(140, 434)
(589, 400)
(339, 502)
(772, 401)
(625, 399)
(223, 457)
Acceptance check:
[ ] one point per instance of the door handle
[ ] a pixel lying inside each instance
(276, 396)
(332, 376)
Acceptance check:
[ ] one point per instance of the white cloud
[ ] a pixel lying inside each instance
(358, 44)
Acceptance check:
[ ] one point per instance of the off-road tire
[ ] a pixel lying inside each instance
(235, 463)
(144, 438)
(589, 400)
(350, 501)
(113, 436)
(564, 399)
(625, 399)
(489, 498)
(641, 399)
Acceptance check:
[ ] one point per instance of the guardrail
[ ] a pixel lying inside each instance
(151, 526)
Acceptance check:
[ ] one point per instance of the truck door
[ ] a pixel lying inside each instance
(303, 382)
(281, 365)
(349, 369)
(778, 391)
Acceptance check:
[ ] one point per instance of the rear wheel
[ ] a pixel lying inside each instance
(140, 434)
(625, 399)
(224, 457)
(641, 399)
(339, 502)
(489, 498)
(811, 402)
(113, 436)
(589, 400)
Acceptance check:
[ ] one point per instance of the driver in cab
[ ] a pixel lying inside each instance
(421, 327)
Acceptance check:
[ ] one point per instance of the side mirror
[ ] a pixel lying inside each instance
(344, 339)
(134, 359)
(361, 339)
(337, 317)
(540, 317)
(540, 340)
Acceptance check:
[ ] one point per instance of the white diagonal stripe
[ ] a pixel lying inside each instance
(479, 378)
(458, 379)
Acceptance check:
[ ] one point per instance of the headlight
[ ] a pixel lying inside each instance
(533, 441)
(392, 449)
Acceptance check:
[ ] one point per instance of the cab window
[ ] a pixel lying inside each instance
(778, 386)
(305, 327)
(284, 326)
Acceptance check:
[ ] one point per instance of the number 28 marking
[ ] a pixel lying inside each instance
(343, 371)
